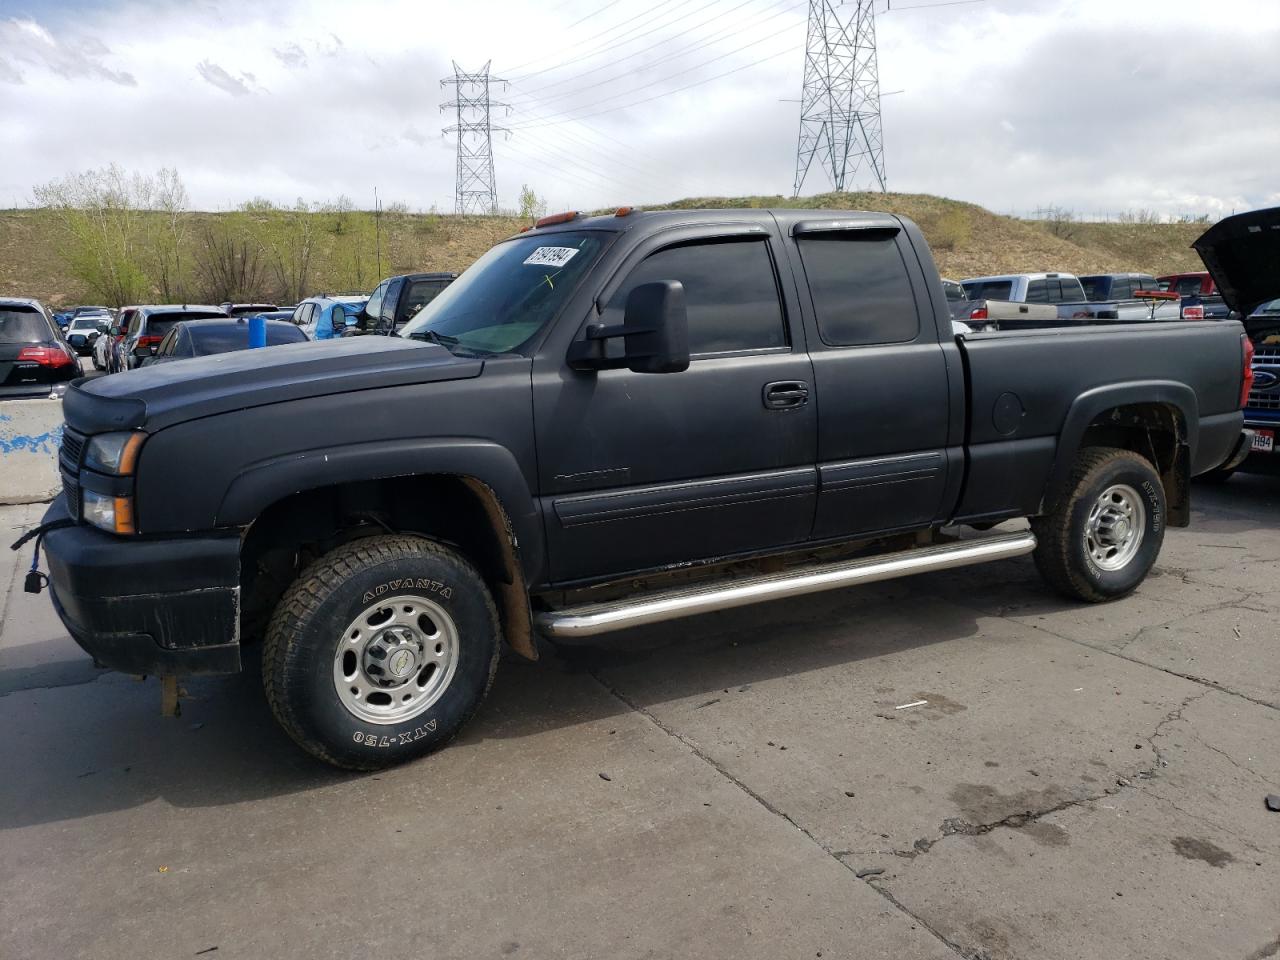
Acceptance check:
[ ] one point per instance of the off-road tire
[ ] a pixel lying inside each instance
(308, 625)
(1062, 556)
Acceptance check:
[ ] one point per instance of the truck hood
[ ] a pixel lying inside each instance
(1242, 254)
(163, 394)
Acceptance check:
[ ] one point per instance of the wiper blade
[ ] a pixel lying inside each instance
(434, 336)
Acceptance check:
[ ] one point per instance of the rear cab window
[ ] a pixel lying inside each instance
(421, 292)
(989, 290)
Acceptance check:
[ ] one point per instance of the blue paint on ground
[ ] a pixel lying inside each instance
(32, 443)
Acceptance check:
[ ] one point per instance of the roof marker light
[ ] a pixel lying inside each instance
(557, 218)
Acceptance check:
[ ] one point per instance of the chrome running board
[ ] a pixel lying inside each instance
(574, 623)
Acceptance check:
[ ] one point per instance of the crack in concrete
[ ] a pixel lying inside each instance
(1245, 842)
(1243, 768)
(1236, 604)
(1203, 681)
(955, 826)
(719, 768)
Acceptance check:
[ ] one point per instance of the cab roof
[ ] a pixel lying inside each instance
(786, 218)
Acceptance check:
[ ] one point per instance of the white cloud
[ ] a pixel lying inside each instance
(219, 77)
(1012, 103)
(291, 55)
(28, 44)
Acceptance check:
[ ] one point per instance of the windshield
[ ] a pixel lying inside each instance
(510, 293)
(1268, 309)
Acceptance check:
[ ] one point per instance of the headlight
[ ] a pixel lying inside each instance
(115, 453)
(113, 514)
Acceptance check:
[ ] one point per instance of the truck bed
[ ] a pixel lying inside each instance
(1033, 390)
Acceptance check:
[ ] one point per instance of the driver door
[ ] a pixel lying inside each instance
(639, 470)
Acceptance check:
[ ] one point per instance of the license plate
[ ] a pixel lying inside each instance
(1264, 441)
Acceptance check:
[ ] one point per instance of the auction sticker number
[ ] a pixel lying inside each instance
(551, 256)
(1264, 441)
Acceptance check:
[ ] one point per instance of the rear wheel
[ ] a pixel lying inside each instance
(1104, 530)
(380, 651)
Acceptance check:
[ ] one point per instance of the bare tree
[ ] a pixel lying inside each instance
(100, 213)
(229, 260)
(169, 201)
(292, 251)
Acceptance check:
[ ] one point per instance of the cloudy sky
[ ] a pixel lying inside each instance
(1095, 105)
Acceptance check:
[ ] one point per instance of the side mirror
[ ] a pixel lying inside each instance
(654, 330)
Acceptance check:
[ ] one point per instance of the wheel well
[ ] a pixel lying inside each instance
(459, 511)
(1157, 431)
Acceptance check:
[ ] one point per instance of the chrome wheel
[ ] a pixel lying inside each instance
(1116, 526)
(395, 659)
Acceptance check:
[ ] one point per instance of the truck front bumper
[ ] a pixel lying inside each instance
(153, 606)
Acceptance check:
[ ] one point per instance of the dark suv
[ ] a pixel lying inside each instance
(35, 360)
(148, 325)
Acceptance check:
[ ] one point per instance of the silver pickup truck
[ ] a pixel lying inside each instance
(1066, 293)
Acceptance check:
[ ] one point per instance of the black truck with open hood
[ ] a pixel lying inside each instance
(608, 422)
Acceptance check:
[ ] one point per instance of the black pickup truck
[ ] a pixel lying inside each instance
(604, 422)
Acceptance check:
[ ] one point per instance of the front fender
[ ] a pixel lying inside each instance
(265, 482)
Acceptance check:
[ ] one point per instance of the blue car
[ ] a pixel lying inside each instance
(323, 318)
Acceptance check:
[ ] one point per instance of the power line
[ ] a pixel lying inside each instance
(623, 40)
(696, 45)
(668, 93)
(679, 73)
(622, 23)
(593, 13)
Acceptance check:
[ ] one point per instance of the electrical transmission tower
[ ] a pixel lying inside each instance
(477, 190)
(840, 104)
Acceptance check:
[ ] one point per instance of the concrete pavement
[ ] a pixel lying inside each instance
(1082, 782)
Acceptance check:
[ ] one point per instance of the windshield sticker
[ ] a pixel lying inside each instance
(551, 256)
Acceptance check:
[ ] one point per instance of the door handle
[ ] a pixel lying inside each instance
(786, 394)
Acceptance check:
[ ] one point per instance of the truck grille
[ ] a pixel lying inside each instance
(69, 461)
(72, 448)
(1265, 397)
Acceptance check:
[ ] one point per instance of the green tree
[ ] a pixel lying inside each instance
(100, 213)
(532, 206)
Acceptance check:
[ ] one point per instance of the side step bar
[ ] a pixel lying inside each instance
(573, 623)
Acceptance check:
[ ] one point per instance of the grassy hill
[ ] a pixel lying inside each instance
(967, 241)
